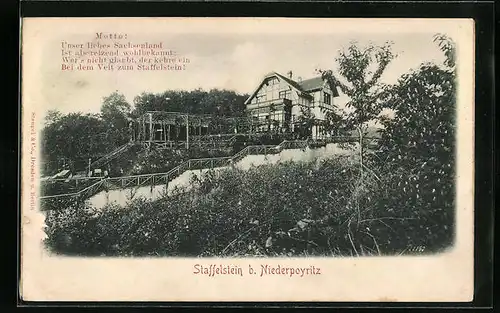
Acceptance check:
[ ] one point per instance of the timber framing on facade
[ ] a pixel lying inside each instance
(282, 99)
(275, 105)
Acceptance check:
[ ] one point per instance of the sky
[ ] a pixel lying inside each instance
(226, 60)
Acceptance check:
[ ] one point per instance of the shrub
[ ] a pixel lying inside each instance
(258, 204)
(309, 208)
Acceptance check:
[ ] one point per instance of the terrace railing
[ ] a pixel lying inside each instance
(214, 142)
(207, 142)
(135, 181)
(212, 137)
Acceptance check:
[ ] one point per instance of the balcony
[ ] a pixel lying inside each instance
(267, 103)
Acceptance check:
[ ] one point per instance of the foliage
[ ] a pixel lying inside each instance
(124, 164)
(418, 148)
(115, 110)
(305, 122)
(447, 45)
(290, 209)
(359, 74)
(215, 102)
(155, 161)
(75, 137)
(197, 222)
(52, 116)
(161, 161)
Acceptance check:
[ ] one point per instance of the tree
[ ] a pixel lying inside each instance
(332, 122)
(214, 102)
(52, 116)
(223, 102)
(417, 150)
(143, 103)
(74, 137)
(359, 73)
(305, 122)
(115, 112)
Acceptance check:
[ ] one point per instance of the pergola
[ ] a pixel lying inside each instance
(160, 126)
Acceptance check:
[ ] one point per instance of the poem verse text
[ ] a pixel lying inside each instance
(115, 52)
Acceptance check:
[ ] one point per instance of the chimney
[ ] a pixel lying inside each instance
(290, 74)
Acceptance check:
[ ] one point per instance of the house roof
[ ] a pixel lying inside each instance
(312, 83)
(302, 87)
(316, 83)
(290, 81)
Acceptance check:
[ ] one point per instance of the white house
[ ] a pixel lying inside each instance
(283, 99)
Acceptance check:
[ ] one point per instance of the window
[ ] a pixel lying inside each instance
(271, 81)
(327, 99)
(286, 94)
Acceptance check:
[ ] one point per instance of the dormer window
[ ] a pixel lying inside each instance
(327, 98)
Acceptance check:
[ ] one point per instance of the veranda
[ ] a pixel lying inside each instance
(158, 128)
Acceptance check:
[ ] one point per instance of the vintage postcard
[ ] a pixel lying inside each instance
(247, 159)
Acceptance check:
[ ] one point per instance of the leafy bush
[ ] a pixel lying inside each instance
(163, 160)
(417, 152)
(156, 161)
(419, 148)
(319, 208)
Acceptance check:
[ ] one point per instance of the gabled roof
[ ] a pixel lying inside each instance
(302, 87)
(312, 83)
(290, 81)
(316, 83)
